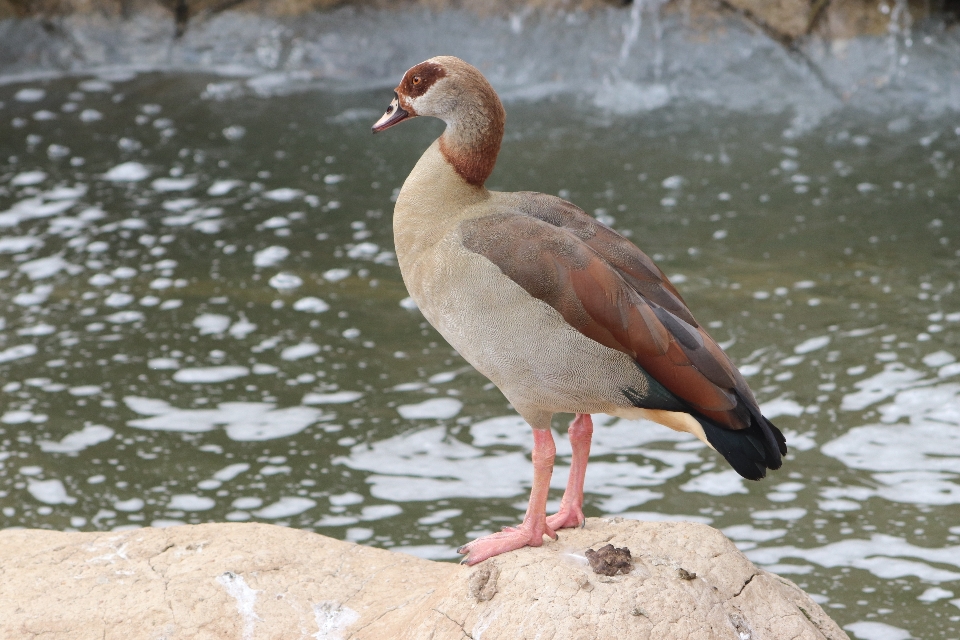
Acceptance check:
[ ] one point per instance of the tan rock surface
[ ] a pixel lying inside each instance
(253, 581)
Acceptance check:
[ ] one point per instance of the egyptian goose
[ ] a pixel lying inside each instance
(562, 313)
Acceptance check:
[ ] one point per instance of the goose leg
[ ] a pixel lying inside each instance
(571, 507)
(534, 525)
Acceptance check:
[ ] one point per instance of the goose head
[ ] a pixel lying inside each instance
(448, 88)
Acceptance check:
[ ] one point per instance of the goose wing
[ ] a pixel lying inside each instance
(612, 292)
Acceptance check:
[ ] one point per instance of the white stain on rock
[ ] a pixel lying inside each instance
(237, 588)
(332, 618)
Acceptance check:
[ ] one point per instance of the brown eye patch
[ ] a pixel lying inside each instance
(420, 78)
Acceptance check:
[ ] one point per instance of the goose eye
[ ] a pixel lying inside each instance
(417, 79)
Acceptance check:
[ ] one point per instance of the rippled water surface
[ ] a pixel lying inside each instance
(203, 320)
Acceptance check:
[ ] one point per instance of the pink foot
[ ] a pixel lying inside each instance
(568, 516)
(511, 538)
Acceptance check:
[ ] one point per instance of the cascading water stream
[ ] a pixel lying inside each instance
(898, 29)
(631, 31)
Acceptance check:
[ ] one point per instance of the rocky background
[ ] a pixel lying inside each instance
(784, 20)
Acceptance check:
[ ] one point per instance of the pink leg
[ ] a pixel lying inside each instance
(571, 507)
(534, 526)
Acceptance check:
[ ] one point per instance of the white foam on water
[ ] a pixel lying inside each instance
(117, 299)
(85, 390)
(49, 492)
(32, 208)
(934, 594)
(428, 465)
(129, 506)
(223, 187)
(16, 417)
(230, 472)
(435, 408)
(794, 513)
(630, 98)
(22, 244)
(90, 115)
(125, 317)
(938, 359)
(752, 534)
(190, 502)
(299, 351)
(44, 267)
(193, 217)
(877, 631)
(379, 511)
(30, 94)
(210, 375)
(41, 329)
(623, 499)
(442, 377)
(161, 364)
(247, 502)
(285, 507)
(27, 178)
(346, 499)
(336, 275)
(285, 281)
(270, 256)
(337, 397)
(178, 205)
(718, 483)
(440, 516)
(90, 435)
(211, 323)
(894, 378)
(242, 328)
(363, 251)
(283, 194)
(173, 184)
(781, 407)
(311, 305)
(127, 172)
(629, 437)
(925, 446)
(917, 462)
(243, 421)
(17, 352)
(882, 555)
(504, 430)
(812, 344)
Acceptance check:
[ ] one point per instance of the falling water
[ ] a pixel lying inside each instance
(631, 31)
(657, 38)
(899, 27)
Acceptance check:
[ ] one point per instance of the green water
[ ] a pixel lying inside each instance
(203, 321)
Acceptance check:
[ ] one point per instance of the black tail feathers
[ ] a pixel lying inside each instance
(749, 451)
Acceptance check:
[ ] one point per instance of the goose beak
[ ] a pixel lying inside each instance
(393, 116)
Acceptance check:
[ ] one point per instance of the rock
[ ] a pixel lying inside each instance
(790, 18)
(253, 581)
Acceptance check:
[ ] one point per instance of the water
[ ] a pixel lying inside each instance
(203, 320)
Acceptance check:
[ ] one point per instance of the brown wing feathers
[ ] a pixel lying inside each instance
(632, 309)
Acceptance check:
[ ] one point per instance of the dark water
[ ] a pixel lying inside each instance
(203, 320)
